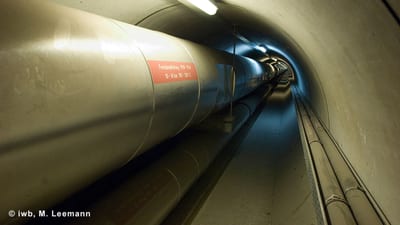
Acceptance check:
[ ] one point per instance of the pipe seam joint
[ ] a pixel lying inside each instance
(315, 141)
(335, 198)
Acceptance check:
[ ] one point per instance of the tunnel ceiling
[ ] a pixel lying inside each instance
(266, 22)
(173, 17)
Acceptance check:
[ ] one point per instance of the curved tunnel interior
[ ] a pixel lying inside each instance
(345, 57)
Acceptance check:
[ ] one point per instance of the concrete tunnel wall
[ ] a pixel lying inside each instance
(353, 50)
(350, 53)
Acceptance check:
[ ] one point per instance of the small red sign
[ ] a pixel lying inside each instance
(167, 71)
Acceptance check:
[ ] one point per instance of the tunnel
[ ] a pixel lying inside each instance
(155, 112)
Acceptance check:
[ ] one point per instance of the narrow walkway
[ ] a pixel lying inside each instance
(266, 182)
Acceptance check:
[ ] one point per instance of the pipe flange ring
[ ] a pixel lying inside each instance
(335, 198)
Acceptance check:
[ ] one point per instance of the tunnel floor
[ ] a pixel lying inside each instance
(266, 182)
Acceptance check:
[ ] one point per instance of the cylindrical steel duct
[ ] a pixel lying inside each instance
(81, 95)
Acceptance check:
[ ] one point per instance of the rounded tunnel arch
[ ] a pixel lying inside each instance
(344, 58)
(345, 53)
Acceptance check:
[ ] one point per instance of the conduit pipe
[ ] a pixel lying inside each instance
(81, 95)
(364, 212)
(338, 211)
(312, 174)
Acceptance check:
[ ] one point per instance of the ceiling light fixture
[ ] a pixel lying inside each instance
(205, 5)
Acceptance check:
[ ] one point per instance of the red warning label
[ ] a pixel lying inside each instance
(167, 71)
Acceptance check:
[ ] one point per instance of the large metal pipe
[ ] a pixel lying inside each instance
(82, 95)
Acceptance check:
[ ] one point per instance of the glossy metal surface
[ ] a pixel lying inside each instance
(78, 99)
(347, 53)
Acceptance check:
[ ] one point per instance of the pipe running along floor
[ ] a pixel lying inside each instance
(266, 182)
